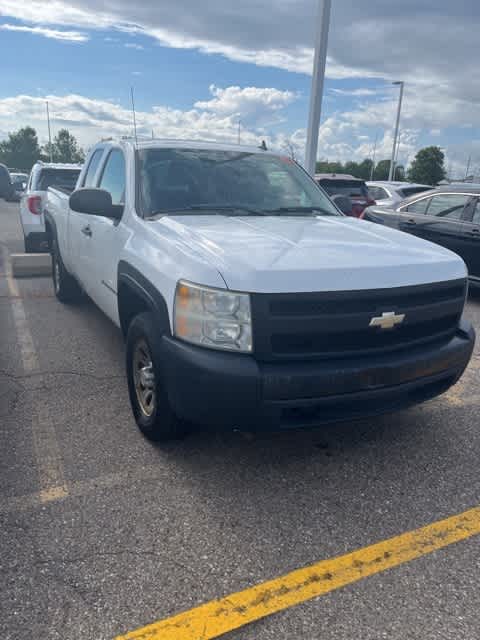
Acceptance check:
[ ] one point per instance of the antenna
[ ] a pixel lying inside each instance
(134, 118)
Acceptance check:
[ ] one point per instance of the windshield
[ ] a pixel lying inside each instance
(245, 183)
(350, 188)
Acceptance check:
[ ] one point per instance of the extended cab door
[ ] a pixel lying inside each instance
(79, 226)
(107, 237)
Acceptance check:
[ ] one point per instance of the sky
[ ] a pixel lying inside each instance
(212, 69)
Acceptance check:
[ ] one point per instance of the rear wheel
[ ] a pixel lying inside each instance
(65, 286)
(30, 245)
(151, 407)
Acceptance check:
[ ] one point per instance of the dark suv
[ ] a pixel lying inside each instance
(342, 184)
(5, 182)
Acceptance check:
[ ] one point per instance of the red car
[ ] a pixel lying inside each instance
(342, 184)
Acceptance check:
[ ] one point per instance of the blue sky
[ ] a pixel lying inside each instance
(197, 70)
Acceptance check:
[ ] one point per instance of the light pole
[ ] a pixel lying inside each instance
(394, 148)
(320, 58)
(49, 135)
(372, 169)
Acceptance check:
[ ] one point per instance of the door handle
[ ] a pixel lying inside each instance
(87, 231)
(474, 232)
(410, 221)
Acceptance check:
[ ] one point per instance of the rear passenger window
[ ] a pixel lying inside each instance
(476, 213)
(92, 168)
(449, 206)
(377, 193)
(419, 206)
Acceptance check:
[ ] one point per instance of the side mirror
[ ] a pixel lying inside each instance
(344, 203)
(95, 202)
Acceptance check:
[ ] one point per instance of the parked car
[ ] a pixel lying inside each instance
(389, 194)
(43, 176)
(19, 184)
(448, 216)
(5, 182)
(246, 299)
(343, 184)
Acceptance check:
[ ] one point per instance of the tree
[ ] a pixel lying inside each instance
(428, 166)
(399, 173)
(65, 148)
(365, 169)
(382, 170)
(20, 150)
(323, 166)
(351, 168)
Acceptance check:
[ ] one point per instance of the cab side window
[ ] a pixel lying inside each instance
(113, 176)
(92, 168)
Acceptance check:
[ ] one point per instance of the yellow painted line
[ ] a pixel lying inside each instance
(238, 609)
(47, 452)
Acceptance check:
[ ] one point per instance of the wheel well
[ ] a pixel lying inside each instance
(131, 302)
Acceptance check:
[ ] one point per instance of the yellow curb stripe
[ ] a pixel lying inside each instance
(238, 609)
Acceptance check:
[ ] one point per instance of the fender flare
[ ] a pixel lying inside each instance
(130, 277)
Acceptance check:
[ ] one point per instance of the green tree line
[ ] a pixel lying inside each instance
(428, 167)
(21, 150)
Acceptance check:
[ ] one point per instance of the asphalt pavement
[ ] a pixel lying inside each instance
(102, 532)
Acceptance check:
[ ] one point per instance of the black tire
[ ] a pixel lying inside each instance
(29, 245)
(156, 420)
(66, 288)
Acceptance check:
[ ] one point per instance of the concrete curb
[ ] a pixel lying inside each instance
(26, 265)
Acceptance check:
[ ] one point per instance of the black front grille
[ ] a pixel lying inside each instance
(315, 325)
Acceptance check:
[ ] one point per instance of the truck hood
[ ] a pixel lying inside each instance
(281, 254)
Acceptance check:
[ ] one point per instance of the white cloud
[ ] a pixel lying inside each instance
(91, 119)
(134, 45)
(260, 104)
(355, 92)
(54, 34)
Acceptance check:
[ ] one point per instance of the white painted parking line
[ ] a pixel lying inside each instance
(48, 459)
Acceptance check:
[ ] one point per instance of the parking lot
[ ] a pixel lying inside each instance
(103, 532)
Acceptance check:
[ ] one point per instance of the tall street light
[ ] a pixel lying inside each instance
(49, 135)
(394, 148)
(320, 57)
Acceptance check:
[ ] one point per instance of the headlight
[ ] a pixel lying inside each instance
(213, 317)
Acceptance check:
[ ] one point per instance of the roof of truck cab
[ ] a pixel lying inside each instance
(57, 165)
(165, 143)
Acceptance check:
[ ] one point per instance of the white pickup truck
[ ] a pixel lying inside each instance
(246, 298)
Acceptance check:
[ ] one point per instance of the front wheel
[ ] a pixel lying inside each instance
(151, 407)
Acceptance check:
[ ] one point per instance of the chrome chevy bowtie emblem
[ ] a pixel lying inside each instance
(388, 320)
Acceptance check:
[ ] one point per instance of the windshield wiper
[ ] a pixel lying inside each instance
(301, 211)
(212, 209)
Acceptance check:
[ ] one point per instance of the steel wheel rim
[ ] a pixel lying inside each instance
(144, 378)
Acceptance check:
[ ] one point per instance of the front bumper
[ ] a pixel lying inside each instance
(233, 390)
